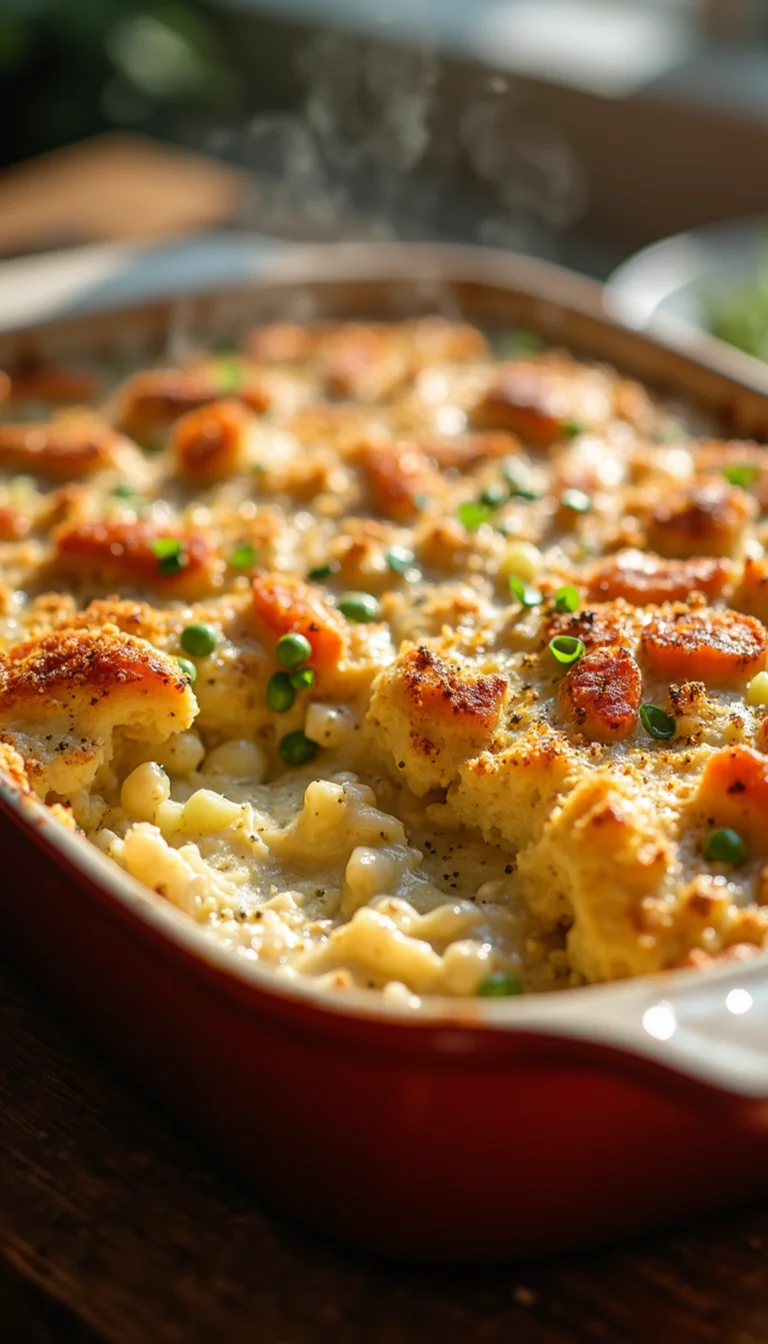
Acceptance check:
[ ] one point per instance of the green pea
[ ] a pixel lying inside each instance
(280, 693)
(399, 559)
(293, 650)
(724, 846)
(359, 607)
(189, 669)
(302, 678)
(199, 639)
(296, 748)
(243, 556)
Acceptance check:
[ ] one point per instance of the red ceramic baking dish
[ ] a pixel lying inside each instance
(466, 1129)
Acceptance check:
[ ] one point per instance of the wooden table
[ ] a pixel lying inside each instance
(114, 1227)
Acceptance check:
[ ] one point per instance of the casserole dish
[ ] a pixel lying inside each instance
(437, 1134)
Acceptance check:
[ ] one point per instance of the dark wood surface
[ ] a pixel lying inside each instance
(115, 1227)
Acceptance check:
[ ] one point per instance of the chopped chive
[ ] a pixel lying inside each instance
(243, 556)
(229, 375)
(724, 846)
(171, 556)
(280, 693)
(518, 486)
(516, 343)
(567, 648)
(199, 639)
(164, 547)
(743, 475)
(473, 514)
(293, 649)
(399, 559)
(321, 572)
(499, 985)
(524, 593)
(570, 428)
(302, 678)
(567, 598)
(576, 501)
(494, 496)
(359, 607)
(656, 722)
(189, 669)
(296, 748)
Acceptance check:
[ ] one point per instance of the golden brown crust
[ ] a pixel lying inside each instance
(152, 400)
(132, 550)
(649, 580)
(602, 693)
(706, 517)
(62, 449)
(62, 665)
(209, 444)
(706, 644)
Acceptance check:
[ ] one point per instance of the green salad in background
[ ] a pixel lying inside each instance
(740, 316)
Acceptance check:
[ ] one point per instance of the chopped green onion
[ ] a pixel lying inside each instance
(743, 475)
(576, 501)
(321, 572)
(494, 496)
(473, 514)
(229, 375)
(567, 598)
(656, 722)
(225, 345)
(151, 447)
(516, 343)
(517, 483)
(359, 607)
(243, 556)
(399, 559)
(189, 669)
(296, 748)
(164, 547)
(302, 678)
(420, 502)
(725, 846)
(499, 985)
(280, 693)
(171, 556)
(123, 491)
(199, 639)
(567, 648)
(293, 650)
(570, 428)
(524, 593)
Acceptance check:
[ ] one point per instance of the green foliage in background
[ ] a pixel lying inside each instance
(69, 68)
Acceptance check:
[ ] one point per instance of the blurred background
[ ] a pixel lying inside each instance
(576, 129)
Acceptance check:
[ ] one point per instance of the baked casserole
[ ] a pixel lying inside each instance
(396, 656)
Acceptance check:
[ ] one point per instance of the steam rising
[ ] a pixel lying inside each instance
(378, 151)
